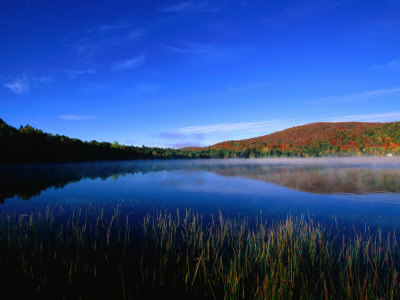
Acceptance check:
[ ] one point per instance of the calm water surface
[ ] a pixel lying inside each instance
(355, 190)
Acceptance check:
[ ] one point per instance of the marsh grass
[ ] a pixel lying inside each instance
(66, 252)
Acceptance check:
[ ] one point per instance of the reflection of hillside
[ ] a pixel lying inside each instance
(321, 180)
(26, 181)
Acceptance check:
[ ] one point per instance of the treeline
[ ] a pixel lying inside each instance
(30, 145)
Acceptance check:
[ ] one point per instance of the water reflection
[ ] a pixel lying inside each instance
(26, 181)
(322, 179)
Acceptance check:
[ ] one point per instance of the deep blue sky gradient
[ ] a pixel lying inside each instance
(176, 73)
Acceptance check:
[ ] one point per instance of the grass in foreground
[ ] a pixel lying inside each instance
(89, 253)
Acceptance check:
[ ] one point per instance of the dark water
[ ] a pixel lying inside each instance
(359, 191)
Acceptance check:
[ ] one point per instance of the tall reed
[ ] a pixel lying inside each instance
(91, 252)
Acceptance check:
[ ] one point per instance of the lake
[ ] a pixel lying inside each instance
(355, 190)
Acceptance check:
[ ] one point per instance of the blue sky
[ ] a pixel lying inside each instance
(178, 73)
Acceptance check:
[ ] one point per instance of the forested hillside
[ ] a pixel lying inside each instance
(28, 145)
(318, 139)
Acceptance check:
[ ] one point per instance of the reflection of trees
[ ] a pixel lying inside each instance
(26, 181)
(321, 180)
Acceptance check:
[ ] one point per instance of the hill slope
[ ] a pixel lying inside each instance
(318, 139)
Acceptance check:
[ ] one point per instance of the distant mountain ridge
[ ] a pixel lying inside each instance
(324, 138)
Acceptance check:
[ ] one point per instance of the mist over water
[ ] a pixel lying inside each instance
(372, 161)
(353, 189)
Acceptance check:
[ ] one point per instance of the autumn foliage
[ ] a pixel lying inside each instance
(319, 139)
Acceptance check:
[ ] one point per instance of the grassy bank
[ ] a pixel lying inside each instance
(93, 253)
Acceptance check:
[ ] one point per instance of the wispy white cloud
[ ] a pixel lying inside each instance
(299, 10)
(132, 63)
(76, 117)
(115, 25)
(22, 84)
(378, 117)
(394, 65)
(18, 85)
(77, 73)
(178, 139)
(199, 52)
(185, 144)
(276, 125)
(42, 81)
(136, 34)
(211, 134)
(117, 34)
(264, 126)
(89, 46)
(190, 7)
(357, 97)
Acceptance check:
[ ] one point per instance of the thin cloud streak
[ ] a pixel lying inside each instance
(178, 139)
(41, 81)
(189, 135)
(111, 26)
(185, 144)
(18, 86)
(394, 65)
(246, 126)
(379, 117)
(357, 97)
(77, 73)
(190, 7)
(129, 64)
(297, 11)
(136, 34)
(23, 84)
(94, 40)
(275, 125)
(201, 52)
(77, 117)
